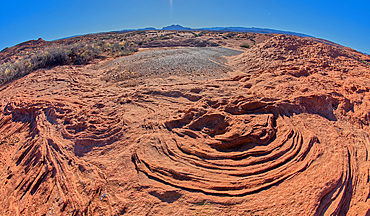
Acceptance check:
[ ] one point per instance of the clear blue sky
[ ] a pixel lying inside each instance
(344, 22)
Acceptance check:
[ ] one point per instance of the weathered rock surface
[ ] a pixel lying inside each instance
(284, 129)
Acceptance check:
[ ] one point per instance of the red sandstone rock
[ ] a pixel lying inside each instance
(286, 133)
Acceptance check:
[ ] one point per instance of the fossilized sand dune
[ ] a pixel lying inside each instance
(282, 128)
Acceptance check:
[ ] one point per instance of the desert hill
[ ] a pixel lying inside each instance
(185, 123)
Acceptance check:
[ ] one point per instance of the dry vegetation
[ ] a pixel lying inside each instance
(29, 56)
(77, 53)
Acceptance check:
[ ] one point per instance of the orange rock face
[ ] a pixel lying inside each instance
(280, 129)
(228, 150)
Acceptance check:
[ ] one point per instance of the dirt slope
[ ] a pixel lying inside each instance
(280, 129)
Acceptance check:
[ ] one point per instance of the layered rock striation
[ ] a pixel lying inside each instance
(282, 128)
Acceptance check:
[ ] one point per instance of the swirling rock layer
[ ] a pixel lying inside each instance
(219, 152)
(282, 128)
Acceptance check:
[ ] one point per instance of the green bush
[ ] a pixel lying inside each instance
(245, 45)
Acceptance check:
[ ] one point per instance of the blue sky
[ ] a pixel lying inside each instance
(343, 22)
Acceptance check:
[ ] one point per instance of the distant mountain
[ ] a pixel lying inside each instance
(254, 30)
(213, 29)
(176, 27)
(149, 28)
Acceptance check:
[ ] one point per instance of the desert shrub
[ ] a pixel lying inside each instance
(245, 45)
(165, 37)
(251, 38)
(140, 32)
(195, 34)
(231, 34)
(245, 35)
(364, 62)
(77, 53)
(45, 58)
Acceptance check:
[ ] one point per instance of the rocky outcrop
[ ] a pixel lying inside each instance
(282, 128)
